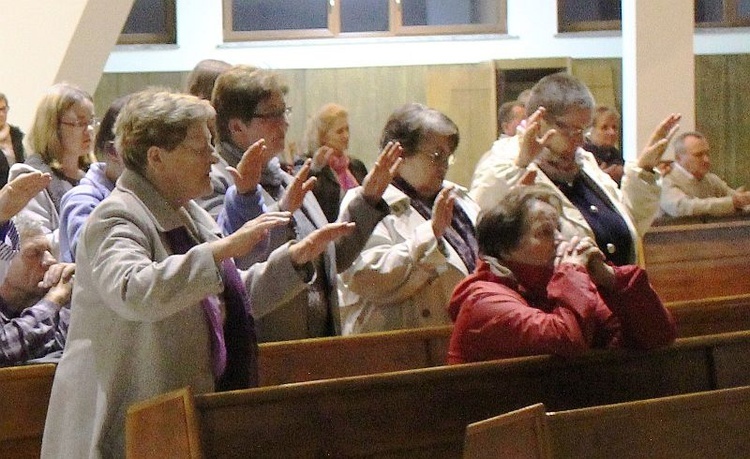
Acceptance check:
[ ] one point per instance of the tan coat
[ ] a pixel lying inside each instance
(404, 276)
(137, 327)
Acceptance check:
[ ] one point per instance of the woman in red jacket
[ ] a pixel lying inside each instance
(533, 293)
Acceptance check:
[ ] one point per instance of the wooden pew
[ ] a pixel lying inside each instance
(424, 412)
(24, 393)
(325, 358)
(697, 259)
(705, 424)
(520, 434)
(708, 424)
(711, 315)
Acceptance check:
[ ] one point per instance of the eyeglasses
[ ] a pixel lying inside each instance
(277, 115)
(5, 109)
(93, 123)
(567, 130)
(437, 157)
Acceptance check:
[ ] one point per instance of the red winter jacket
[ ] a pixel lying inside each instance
(537, 310)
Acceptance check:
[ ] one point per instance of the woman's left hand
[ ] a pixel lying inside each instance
(657, 144)
(377, 180)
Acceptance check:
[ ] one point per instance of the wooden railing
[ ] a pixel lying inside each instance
(424, 412)
(705, 424)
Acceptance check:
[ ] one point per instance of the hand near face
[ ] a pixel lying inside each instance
(295, 193)
(316, 242)
(442, 211)
(530, 142)
(651, 155)
(321, 156)
(59, 280)
(576, 251)
(585, 252)
(613, 170)
(247, 236)
(377, 180)
(247, 173)
(18, 192)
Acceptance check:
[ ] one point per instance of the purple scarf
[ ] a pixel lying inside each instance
(234, 347)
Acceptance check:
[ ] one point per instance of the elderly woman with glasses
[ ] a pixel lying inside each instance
(549, 152)
(158, 302)
(416, 255)
(61, 141)
(534, 292)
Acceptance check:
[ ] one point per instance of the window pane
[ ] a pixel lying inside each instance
(249, 15)
(709, 10)
(449, 12)
(590, 10)
(364, 15)
(743, 9)
(147, 16)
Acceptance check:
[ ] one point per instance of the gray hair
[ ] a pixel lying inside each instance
(558, 94)
(156, 117)
(679, 141)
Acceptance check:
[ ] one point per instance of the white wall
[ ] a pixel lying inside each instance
(532, 32)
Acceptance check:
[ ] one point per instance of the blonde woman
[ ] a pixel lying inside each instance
(327, 141)
(60, 140)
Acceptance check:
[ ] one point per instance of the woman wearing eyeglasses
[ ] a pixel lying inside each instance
(60, 141)
(417, 254)
(548, 152)
(77, 204)
(326, 142)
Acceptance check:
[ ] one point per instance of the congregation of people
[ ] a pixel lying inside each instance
(158, 248)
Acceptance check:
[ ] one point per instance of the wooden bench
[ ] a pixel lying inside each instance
(325, 358)
(424, 412)
(705, 424)
(711, 315)
(686, 260)
(24, 395)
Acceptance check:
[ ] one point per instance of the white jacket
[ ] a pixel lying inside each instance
(637, 201)
(404, 277)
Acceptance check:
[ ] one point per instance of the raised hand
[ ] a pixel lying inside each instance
(309, 248)
(18, 192)
(295, 193)
(530, 142)
(377, 180)
(651, 154)
(442, 211)
(247, 173)
(321, 156)
(248, 235)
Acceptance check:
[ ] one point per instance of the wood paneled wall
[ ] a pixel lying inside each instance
(466, 93)
(722, 113)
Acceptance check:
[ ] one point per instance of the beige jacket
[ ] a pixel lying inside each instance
(404, 276)
(137, 327)
(637, 201)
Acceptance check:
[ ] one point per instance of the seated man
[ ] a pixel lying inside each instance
(34, 298)
(690, 189)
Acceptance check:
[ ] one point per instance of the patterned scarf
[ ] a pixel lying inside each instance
(460, 235)
(340, 165)
(234, 347)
